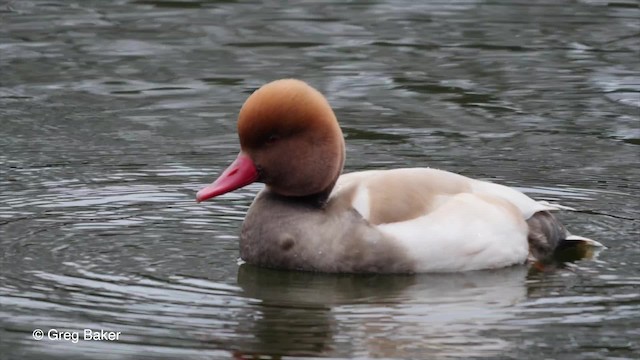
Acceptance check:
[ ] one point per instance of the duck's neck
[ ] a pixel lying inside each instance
(317, 200)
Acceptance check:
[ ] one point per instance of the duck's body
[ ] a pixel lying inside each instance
(384, 221)
(468, 225)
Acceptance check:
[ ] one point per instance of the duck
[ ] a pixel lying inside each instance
(311, 217)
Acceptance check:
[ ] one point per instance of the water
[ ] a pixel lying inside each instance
(114, 113)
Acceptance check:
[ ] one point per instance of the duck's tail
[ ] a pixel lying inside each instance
(549, 240)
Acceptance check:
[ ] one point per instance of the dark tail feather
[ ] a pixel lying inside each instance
(549, 241)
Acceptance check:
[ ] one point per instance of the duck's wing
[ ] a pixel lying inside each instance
(446, 221)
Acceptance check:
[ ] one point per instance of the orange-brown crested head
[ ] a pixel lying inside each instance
(289, 131)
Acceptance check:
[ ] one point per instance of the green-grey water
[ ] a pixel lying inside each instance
(114, 113)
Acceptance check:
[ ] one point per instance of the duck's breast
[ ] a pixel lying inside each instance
(283, 233)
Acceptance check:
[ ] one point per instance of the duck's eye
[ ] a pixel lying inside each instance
(272, 138)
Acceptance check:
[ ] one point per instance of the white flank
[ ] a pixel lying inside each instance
(465, 233)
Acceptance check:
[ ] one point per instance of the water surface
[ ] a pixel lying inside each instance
(114, 113)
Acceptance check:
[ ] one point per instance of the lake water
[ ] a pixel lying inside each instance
(114, 113)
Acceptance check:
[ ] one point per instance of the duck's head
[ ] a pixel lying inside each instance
(290, 140)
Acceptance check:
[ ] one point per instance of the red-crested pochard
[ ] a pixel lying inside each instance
(309, 217)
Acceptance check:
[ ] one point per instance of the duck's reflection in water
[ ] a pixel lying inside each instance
(412, 316)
